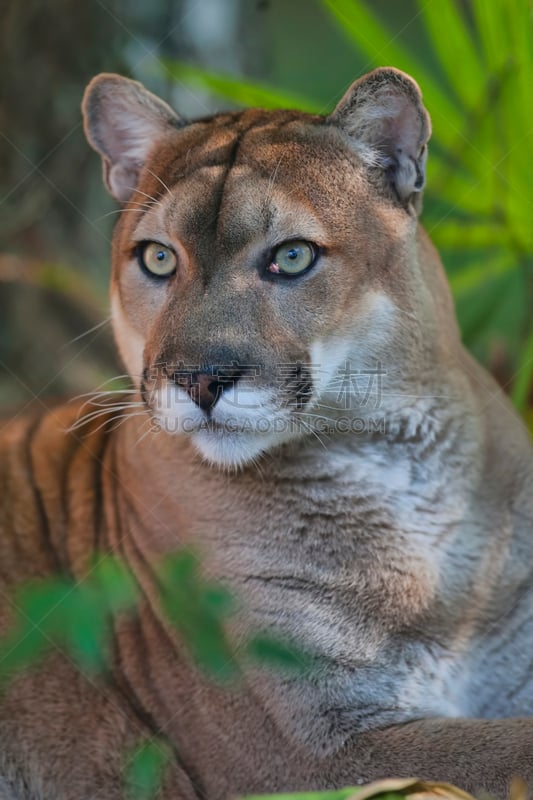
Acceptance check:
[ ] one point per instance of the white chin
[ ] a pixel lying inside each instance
(232, 450)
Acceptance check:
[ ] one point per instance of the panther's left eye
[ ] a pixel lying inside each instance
(293, 258)
(157, 259)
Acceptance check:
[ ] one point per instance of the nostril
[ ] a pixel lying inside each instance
(203, 390)
(216, 388)
(206, 387)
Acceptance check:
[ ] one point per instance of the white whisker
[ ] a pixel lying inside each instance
(86, 333)
(138, 191)
(100, 412)
(163, 184)
(110, 213)
(141, 206)
(97, 389)
(118, 421)
(315, 433)
(322, 417)
(257, 465)
(146, 432)
(272, 180)
(100, 402)
(95, 396)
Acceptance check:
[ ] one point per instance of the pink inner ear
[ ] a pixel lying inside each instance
(123, 121)
(401, 132)
(120, 180)
(129, 135)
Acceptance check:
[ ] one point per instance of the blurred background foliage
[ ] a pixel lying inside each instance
(472, 59)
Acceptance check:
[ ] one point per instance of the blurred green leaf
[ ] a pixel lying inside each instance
(198, 609)
(278, 654)
(116, 582)
(334, 794)
(84, 630)
(458, 191)
(70, 615)
(20, 649)
(523, 380)
(239, 90)
(36, 601)
(454, 44)
(387, 789)
(492, 24)
(470, 235)
(75, 616)
(519, 19)
(35, 626)
(515, 168)
(478, 275)
(145, 769)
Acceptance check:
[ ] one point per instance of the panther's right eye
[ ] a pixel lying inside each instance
(157, 259)
(293, 258)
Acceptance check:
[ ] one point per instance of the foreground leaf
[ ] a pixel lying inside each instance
(283, 656)
(198, 608)
(144, 773)
(67, 614)
(391, 788)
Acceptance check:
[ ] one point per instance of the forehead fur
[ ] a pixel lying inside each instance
(236, 170)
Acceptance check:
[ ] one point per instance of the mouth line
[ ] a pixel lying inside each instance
(192, 426)
(227, 428)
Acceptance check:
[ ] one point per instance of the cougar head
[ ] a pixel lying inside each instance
(259, 255)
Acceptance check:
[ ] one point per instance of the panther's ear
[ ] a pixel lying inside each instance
(388, 126)
(122, 122)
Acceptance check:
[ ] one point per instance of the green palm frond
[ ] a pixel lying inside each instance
(237, 90)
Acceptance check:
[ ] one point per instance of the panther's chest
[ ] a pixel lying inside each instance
(338, 559)
(327, 555)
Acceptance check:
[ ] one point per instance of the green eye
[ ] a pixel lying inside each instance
(292, 258)
(158, 259)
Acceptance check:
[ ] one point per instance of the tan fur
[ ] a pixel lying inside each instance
(401, 555)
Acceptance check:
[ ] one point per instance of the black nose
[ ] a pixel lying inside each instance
(205, 386)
